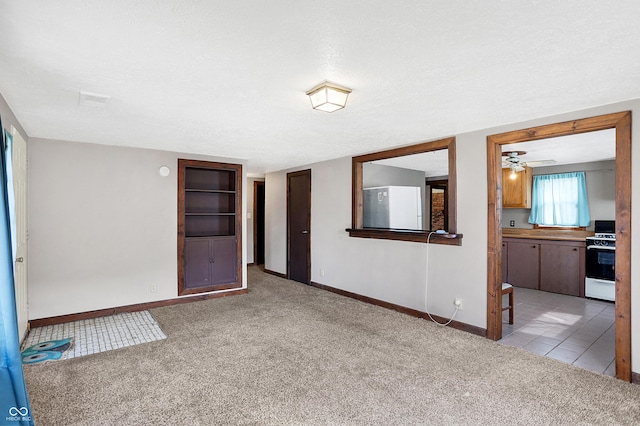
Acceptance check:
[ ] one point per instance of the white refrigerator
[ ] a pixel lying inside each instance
(392, 207)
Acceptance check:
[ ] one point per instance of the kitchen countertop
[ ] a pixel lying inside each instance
(546, 234)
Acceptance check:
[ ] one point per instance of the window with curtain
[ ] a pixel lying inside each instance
(560, 200)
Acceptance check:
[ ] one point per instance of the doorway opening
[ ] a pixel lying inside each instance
(621, 122)
(258, 224)
(438, 199)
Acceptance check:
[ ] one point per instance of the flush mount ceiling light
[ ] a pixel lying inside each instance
(328, 97)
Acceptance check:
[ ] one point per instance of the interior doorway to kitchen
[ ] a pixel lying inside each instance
(621, 122)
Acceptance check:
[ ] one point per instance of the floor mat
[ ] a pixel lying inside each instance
(51, 350)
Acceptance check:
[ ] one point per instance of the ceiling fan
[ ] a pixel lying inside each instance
(511, 160)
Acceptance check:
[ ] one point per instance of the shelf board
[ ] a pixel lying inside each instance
(219, 191)
(210, 214)
(201, 237)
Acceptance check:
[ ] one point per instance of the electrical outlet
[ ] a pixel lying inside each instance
(153, 288)
(512, 223)
(457, 303)
(322, 272)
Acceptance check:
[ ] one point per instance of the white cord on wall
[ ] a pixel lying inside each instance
(426, 284)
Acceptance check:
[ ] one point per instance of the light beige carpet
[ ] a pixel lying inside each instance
(287, 353)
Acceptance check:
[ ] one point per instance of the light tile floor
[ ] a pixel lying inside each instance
(100, 334)
(570, 329)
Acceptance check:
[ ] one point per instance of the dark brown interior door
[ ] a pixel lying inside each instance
(298, 225)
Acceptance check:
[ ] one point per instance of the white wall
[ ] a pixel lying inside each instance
(275, 221)
(395, 271)
(102, 226)
(249, 220)
(601, 192)
(374, 175)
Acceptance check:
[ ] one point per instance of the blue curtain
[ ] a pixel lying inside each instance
(14, 401)
(560, 200)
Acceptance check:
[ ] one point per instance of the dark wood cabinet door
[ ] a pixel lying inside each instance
(523, 264)
(223, 255)
(505, 261)
(560, 268)
(197, 263)
(516, 192)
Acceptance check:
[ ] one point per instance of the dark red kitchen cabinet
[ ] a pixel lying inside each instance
(505, 261)
(209, 261)
(197, 269)
(523, 262)
(562, 267)
(556, 266)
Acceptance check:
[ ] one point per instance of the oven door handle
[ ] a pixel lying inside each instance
(601, 247)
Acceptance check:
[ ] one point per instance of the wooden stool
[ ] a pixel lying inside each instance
(508, 289)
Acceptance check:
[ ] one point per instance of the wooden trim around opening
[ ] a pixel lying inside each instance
(357, 230)
(404, 235)
(131, 308)
(408, 311)
(622, 123)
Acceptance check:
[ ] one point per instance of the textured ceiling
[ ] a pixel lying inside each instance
(228, 78)
(580, 148)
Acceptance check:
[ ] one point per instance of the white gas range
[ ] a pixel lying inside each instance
(600, 282)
